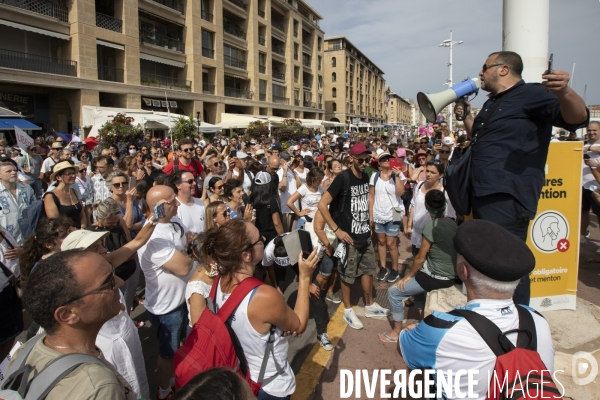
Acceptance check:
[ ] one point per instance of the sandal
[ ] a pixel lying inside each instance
(384, 337)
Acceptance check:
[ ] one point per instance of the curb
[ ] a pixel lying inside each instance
(309, 375)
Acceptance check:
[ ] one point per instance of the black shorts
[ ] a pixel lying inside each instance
(588, 202)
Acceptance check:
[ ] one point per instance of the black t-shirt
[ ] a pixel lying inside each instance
(264, 217)
(355, 217)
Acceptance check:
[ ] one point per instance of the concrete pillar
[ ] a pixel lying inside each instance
(525, 26)
(79, 98)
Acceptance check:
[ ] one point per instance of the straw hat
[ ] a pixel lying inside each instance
(61, 166)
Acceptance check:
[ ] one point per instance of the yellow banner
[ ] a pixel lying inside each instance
(554, 233)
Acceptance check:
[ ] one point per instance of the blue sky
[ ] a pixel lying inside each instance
(402, 36)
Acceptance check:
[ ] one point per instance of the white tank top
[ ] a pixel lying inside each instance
(254, 344)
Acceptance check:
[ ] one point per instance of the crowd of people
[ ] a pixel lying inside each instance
(198, 216)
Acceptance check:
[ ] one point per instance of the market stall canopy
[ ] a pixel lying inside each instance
(312, 123)
(8, 124)
(231, 121)
(98, 116)
(333, 123)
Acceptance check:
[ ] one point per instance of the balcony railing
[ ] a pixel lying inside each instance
(278, 26)
(295, 33)
(165, 82)
(261, 13)
(234, 62)
(238, 3)
(43, 7)
(281, 100)
(110, 74)
(240, 94)
(306, 42)
(278, 75)
(306, 84)
(296, 57)
(262, 97)
(279, 50)
(207, 16)
(174, 4)
(262, 69)
(310, 104)
(337, 46)
(234, 30)
(261, 40)
(151, 37)
(207, 88)
(306, 63)
(208, 53)
(31, 62)
(108, 22)
(297, 102)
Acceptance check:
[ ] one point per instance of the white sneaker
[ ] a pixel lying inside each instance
(324, 342)
(352, 320)
(598, 250)
(376, 311)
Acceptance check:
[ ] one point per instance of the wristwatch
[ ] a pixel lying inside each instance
(153, 221)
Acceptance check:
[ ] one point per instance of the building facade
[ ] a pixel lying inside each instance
(355, 91)
(256, 57)
(398, 110)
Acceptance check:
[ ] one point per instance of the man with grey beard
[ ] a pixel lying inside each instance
(14, 198)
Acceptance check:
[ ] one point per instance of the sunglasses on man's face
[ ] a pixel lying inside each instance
(188, 150)
(363, 160)
(445, 151)
(189, 181)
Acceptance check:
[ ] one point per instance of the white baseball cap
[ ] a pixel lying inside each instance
(262, 178)
(81, 239)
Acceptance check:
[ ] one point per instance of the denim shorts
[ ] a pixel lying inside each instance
(391, 228)
(326, 266)
(171, 329)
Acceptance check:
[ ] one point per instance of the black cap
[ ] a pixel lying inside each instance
(493, 251)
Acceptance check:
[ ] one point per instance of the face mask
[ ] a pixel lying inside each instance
(132, 151)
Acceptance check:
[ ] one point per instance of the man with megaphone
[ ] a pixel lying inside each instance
(509, 142)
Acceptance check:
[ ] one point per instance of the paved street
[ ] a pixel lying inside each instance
(318, 370)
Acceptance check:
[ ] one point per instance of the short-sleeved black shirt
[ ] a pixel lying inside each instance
(510, 156)
(355, 217)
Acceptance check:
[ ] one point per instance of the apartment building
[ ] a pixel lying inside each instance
(398, 110)
(256, 57)
(355, 91)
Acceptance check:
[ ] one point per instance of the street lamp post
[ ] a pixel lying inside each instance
(449, 43)
(198, 118)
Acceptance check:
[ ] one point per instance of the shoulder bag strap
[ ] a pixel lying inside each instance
(44, 382)
(488, 331)
(236, 297)
(526, 323)
(7, 241)
(269, 351)
(22, 356)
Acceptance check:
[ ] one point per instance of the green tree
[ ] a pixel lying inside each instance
(184, 126)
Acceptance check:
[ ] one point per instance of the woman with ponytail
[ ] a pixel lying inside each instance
(433, 267)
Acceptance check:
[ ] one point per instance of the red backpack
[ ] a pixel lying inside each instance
(213, 343)
(528, 377)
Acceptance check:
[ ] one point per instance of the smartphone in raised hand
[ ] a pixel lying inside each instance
(159, 211)
(550, 60)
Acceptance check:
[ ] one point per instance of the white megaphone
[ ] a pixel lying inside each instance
(432, 104)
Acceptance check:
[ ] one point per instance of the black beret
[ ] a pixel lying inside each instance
(493, 251)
